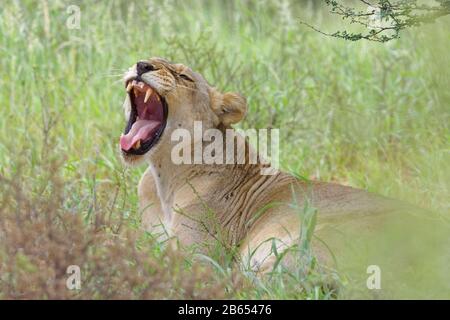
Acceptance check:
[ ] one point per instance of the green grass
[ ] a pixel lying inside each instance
(374, 116)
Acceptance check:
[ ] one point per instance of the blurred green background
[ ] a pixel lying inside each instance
(373, 116)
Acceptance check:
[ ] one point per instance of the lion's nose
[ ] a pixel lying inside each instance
(143, 67)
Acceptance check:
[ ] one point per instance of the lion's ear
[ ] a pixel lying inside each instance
(229, 107)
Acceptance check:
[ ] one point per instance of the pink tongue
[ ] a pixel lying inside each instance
(140, 130)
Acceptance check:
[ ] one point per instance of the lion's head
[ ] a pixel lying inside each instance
(161, 97)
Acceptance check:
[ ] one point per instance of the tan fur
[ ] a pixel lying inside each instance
(235, 204)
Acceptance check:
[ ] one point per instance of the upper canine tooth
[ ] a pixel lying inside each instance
(147, 95)
(141, 85)
(129, 86)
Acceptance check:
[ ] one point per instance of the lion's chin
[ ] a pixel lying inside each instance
(132, 160)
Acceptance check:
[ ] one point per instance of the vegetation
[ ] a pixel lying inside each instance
(374, 116)
(383, 20)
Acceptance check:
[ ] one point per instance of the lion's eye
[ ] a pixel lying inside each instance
(185, 77)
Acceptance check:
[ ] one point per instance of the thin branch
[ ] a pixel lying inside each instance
(396, 17)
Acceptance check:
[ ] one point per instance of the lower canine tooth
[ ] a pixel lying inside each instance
(147, 95)
(137, 145)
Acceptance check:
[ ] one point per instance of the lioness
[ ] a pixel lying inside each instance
(233, 203)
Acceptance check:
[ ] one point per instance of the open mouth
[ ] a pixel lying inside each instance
(147, 118)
